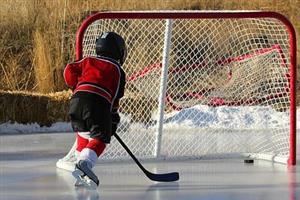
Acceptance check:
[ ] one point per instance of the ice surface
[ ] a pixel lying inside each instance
(28, 172)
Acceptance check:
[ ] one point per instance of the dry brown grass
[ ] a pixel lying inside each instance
(14, 75)
(42, 64)
(42, 32)
(37, 39)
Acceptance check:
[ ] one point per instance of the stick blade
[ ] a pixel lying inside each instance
(168, 177)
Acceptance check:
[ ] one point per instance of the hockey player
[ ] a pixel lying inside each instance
(97, 84)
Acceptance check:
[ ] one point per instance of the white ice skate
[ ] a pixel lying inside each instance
(85, 177)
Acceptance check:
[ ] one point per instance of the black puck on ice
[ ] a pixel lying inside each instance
(248, 161)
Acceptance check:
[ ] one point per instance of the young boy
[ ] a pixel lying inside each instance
(97, 84)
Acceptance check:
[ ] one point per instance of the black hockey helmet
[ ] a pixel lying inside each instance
(111, 45)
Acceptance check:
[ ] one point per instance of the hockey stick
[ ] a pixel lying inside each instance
(168, 177)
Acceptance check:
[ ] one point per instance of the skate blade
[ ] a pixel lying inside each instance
(83, 180)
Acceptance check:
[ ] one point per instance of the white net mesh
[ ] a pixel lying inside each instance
(227, 93)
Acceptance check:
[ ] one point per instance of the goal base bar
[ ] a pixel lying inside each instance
(267, 157)
(69, 165)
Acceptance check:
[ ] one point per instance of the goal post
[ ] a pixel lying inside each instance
(220, 84)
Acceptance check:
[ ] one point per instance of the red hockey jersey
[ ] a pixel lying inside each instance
(98, 75)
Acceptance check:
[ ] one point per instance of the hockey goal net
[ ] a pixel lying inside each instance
(202, 84)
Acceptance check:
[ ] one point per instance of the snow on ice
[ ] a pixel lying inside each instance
(197, 116)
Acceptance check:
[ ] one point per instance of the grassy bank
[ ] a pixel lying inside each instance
(37, 36)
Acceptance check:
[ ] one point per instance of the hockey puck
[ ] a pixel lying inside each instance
(249, 161)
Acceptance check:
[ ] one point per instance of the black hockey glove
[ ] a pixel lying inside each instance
(115, 118)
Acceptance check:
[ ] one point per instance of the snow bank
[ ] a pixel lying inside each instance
(225, 117)
(14, 128)
(197, 116)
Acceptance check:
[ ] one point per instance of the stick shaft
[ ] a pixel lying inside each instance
(168, 177)
(130, 153)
